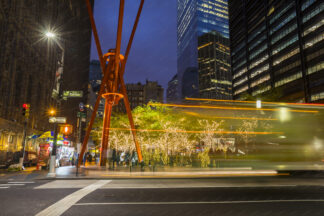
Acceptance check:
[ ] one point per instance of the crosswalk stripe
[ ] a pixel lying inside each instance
(64, 204)
(21, 182)
(199, 202)
(11, 184)
(3, 187)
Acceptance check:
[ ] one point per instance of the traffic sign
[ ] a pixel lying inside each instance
(68, 94)
(81, 114)
(81, 106)
(60, 120)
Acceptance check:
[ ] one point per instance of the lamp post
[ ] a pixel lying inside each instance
(57, 90)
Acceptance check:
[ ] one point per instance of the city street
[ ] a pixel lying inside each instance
(218, 196)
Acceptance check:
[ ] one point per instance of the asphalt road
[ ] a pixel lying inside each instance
(227, 196)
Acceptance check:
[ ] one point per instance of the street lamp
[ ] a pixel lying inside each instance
(52, 112)
(50, 34)
(58, 95)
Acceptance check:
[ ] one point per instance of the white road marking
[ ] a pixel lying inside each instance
(11, 184)
(66, 184)
(3, 187)
(192, 186)
(64, 204)
(197, 203)
(21, 182)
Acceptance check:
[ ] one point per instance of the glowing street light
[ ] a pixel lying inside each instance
(50, 34)
(52, 112)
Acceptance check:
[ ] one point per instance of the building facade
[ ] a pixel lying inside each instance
(29, 63)
(172, 91)
(278, 45)
(95, 73)
(215, 80)
(195, 18)
(140, 94)
(135, 93)
(153, 92)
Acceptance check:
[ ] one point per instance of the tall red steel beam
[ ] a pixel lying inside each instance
(110, 99)
(122, 83)
(113, 78)
(94, 112)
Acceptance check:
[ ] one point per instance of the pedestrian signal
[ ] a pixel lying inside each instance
(66, 129)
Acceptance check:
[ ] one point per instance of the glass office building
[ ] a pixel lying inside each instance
(196, 18)
(278, 44)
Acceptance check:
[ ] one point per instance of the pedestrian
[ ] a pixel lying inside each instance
(114, 157)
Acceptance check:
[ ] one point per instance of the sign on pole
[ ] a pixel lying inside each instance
(81, 106)
(68, 94)
(60, 120)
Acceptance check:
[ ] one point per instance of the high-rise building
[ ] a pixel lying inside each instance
(29, 63)
(195, 18)
(172, 91)
(278, 45)
(135, 93)
(215, 79)
(153, 92)
(95, 73)
(139, 94)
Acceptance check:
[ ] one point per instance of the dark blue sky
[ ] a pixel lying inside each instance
(153, 55)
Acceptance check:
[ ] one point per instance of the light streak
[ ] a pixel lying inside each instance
(235, 118)
(264, 102)
(198, 132)
(228, 108)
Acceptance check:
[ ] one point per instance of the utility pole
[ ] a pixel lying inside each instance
(25, 113)
(52, 172)
(58, 87)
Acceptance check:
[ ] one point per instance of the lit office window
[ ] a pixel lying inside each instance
(279, 14)
(279, 59)
(240, 73)
(283, 33)
(258, 61)
(314, 40)
(313, 12)
(288, 79)
(287, 68)
(240, 90)
(239, 82)
(284, 22)
(313, 27)
(259, 91)
(284, 44)
(315, 68)
(315, 54)
(258, 51)
(256, 43)
(260, 80)
(243, 61)
(259, 71)
(307, 3)
(317, 96)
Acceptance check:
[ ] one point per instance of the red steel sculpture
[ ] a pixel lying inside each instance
(112, 87)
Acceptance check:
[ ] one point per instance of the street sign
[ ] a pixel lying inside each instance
(60, 120)
(76, 94)
(81, 114)
(81, 106)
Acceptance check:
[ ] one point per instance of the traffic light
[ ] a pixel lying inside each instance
(25, 110)
(66, 129)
